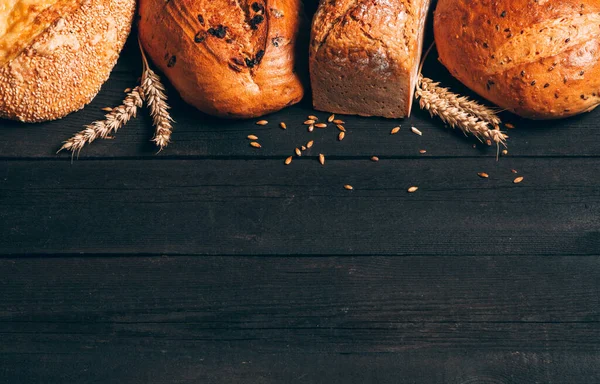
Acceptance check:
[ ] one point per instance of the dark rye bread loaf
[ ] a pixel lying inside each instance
(364, 55)
(538, 59)
(227, 58)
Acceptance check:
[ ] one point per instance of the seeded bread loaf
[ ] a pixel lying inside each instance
(227, 58)
(56, 54)
(364, 55)
(539, 59)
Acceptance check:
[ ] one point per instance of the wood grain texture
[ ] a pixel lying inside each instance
(277, 274)
(300, 319)
(265, 207)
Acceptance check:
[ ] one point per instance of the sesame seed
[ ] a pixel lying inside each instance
(413, 189)
(416, 131)
(395, 130)
(255, 144)
(262, 122)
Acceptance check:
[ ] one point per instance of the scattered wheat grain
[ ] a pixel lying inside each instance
(288, 161)
(255, 144)
(331, 118)
(395, 130)
(252, 137)
(322, 159)
(341, 136)
(518, 180)
(413, 189)
(416, 131)
(483, 175)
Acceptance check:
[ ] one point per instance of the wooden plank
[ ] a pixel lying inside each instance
(264, 207)
(202, 136)
(300, 319)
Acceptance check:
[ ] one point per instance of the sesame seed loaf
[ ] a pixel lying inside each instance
(232, 59)
(364, 55)
(56, 54)
(538, 59)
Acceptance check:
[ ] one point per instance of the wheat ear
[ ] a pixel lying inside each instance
(444, 105)
(155, 96)
(114, 120)
(470, 106)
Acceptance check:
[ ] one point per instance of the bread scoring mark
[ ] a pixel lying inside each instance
(22, 21)
(543, 40)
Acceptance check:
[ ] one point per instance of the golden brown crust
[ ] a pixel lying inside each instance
(364, 55)
(63, 68)
(227, 58)
(539, 59)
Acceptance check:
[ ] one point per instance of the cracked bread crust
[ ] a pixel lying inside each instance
(228, 58)
(364, 55)
(539, 59)
(63, 67)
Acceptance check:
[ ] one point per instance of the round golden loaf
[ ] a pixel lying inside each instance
(227, 58)
(539, 59)
(56, 54)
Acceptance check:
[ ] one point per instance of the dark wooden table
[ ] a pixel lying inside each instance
(213, 262)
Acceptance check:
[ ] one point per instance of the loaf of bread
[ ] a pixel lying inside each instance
(538, 59)
(56, 54)
(364, 56)
(227, 58)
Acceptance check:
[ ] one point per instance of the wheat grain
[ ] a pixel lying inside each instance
(155, 97)
(413, 189)
(113, 121)
(322, 159)
(395, 130)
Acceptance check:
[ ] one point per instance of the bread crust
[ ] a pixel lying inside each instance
(364, 55)
(538, 59)
(233, 59)
(62, 69)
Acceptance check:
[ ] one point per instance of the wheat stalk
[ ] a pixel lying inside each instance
(470, 106)
(114, 120)
(445, 105)
(154, 93)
